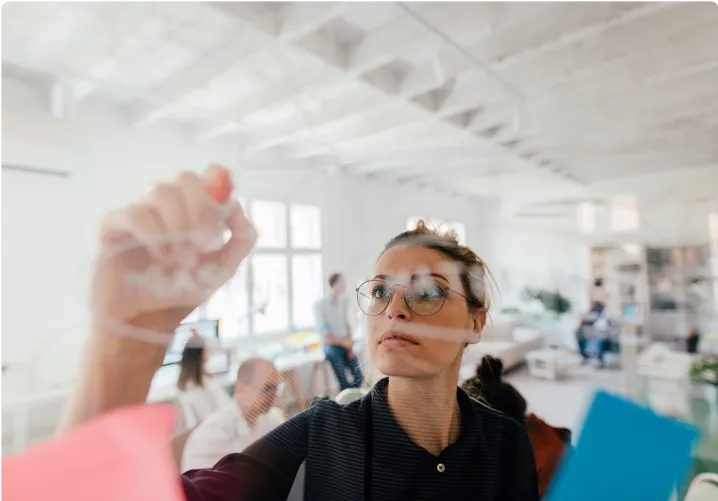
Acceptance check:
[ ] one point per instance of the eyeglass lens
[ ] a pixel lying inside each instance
(424, 296)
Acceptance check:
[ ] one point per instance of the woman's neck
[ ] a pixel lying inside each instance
(427, 410)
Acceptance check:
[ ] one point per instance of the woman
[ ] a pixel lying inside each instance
(548, 442)
(200, 395)
(416, 435)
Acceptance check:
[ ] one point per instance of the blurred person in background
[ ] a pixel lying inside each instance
(549, 443)
(332, 321)
(415, 436)
(200, 395)
(599, 295)
(249, 416)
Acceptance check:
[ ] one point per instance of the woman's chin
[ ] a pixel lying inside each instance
(399, 365)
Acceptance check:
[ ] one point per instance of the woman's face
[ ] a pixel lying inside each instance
(405, 344)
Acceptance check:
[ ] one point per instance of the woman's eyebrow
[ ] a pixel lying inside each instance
(413, 277)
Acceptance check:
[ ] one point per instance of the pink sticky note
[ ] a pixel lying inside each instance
(122, 456)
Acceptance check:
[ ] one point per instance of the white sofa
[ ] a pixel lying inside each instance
(503, 340)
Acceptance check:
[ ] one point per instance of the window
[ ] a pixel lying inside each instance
(306, 227)
(307, 288)
(270, 220)
(274, 290)
(440, 225)
(587, 217)
(270, 295)
(230, 305)
(624, 214)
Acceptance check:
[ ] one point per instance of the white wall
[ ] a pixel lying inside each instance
(528, 255)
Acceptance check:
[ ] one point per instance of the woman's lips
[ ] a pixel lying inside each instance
(398, 339)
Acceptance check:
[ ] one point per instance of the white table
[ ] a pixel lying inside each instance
(550, 363)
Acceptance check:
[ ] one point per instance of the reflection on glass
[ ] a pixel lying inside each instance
(307, 288)
(270, 294)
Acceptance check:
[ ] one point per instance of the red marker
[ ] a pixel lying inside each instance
(220, 188)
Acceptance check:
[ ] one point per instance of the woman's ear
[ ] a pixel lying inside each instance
(478, 321)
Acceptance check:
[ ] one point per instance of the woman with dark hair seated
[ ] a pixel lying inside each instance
(548, 442)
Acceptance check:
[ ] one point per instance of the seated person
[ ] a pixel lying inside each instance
(200, 395)
(239, 422)
(595, 319)
(548, 442)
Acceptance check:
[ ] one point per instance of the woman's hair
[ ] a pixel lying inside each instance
(474, 273)
(498, 394)
(192, 363)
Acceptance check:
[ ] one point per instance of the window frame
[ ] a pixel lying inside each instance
(289, 251)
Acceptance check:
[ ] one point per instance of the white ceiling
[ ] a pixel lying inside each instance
(538, 103)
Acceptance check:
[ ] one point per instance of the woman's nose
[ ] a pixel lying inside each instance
(397, 307)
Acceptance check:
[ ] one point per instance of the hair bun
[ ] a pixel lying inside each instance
(490, 370)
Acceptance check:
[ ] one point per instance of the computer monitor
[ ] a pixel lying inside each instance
(208, 329)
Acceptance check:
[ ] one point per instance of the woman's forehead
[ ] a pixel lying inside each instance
(404, 261)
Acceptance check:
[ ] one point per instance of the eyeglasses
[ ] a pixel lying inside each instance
(270, 389)
(423, 296)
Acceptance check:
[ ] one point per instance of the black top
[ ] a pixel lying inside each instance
(491, 460)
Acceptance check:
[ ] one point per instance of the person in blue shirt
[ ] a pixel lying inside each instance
(333, 326)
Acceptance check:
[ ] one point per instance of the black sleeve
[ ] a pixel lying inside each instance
(520, 480)
(263, 471)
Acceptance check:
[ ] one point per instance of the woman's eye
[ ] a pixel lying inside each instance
(379, 292)
(428, 292)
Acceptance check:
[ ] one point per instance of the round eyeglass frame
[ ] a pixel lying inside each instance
(444, 289)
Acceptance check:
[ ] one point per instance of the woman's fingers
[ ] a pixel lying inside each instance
(138, 223)
(169, 201)
(180, 223)
(240, 244)
(205, 216)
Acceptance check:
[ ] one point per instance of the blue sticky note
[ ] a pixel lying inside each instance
(625, 451)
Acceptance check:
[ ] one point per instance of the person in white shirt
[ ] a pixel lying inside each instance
(240, 422)
(200, 395)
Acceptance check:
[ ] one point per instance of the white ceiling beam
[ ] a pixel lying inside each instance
(572, 25)
(288, 25)
(139, 26)
(465, 171)
(300, 19)
(405, 36)
(326, 47)
(416, 154)
(336, 111)
(200, 74)
(432, 74)
(290, 88)
(215, 132)
(329, 50)
(62, 99)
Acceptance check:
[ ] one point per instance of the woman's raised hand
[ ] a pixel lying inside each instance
(164, 255)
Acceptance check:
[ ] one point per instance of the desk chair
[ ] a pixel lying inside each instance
(178, 443)
(703, 488)
(349, 395)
